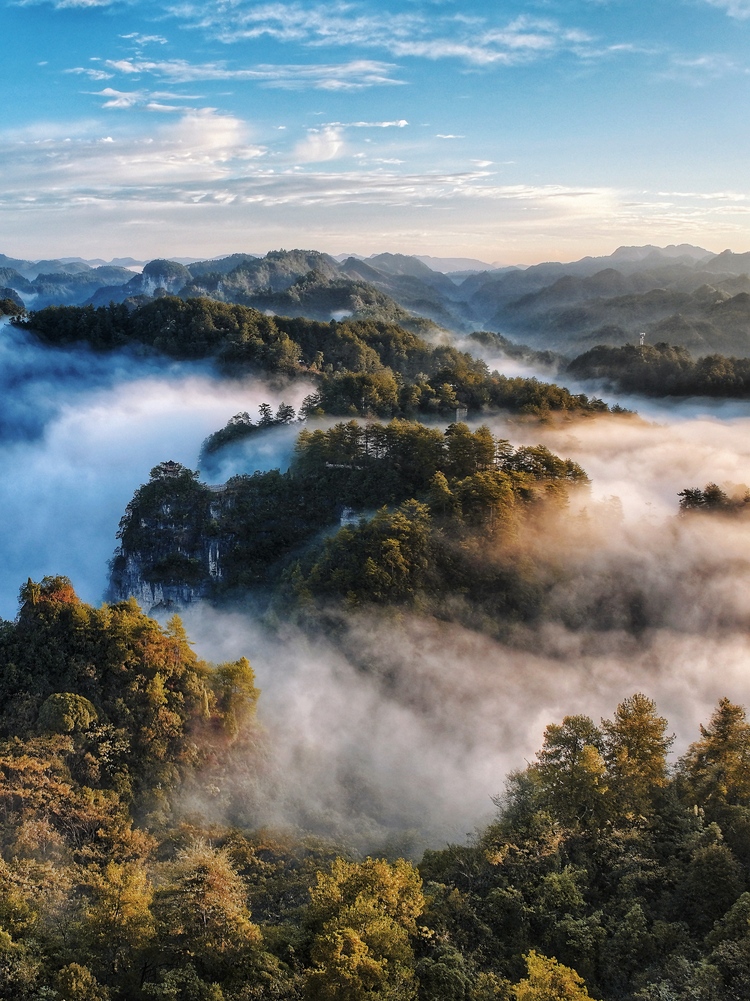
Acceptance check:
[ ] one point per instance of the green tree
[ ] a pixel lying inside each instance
(573, 772)
(77, 983)
(717, 767)
(237, 696)
(65, 712)
(635, 751)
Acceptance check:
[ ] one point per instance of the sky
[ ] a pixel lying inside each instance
(512, 132)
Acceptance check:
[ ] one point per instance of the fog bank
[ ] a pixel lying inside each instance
(79, 432)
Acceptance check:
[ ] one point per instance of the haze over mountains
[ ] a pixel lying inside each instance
(680, 294)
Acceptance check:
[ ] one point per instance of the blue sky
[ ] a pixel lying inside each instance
(513, 132)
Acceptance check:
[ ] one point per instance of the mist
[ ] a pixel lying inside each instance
(422, 740)
(406, 723)
(79, 432)
(401, 729)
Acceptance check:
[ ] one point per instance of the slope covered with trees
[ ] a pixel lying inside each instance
(607, 873)
(425, 497)
(361, 366)
(663, 370)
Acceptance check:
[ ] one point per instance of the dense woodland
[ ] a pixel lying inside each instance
(610, 871)
(9, 305)
(361, 366)
(425, 504)
(607, 873)
(663, 370)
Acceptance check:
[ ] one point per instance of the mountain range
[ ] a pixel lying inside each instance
(681, 294)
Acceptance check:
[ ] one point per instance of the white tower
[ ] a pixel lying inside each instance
(642, 337)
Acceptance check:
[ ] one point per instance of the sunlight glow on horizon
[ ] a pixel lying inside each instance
(539, 131)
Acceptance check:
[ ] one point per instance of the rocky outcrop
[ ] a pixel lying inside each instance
(171, 547)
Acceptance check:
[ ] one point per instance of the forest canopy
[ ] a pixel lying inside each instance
(360, 366)
(663, 370)
(608, 872)
(281, 533)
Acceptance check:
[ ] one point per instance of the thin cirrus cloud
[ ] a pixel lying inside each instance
(150, 100)
(91, 72)
(474, 40)
(67, 4)
(400, 124)
(138, 39)
(701, 69)
(734, 8)
(356, 74)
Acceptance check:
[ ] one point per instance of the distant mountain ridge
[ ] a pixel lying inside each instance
(682, 293)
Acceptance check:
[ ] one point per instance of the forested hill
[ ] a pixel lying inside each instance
(606, 873)
(360, 366)
(663, 370)
(420, 501)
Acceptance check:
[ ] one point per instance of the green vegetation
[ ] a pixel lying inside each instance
(366, 367)
(712, 499)
(663, 370)
(439, 495)
(241, 426)
(10, 307)
(519, 352)
(606, 874)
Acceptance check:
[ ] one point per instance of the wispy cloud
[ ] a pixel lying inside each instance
(186, 174)
(139, 39)
(400, 124)
(67, 4)
(474, 40)
(701, 69)
(734, 8)
(92, 74)
(354, 75)
(150, 100)
(202, 146)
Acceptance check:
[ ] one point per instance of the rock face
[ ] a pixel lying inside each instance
(170, 551)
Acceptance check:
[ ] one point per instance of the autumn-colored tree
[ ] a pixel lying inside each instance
(202, 914)
(363, 917)
(116, 925)
(548, 980)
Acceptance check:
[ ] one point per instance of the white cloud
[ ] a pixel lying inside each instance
(120, 98)
(201, 147)
(475, 40)
(139, 39)
(734, 8)
(319, 145)
(700, 69)
(354, 75)
(143, 98)
(92, 74)
(400, 124)
(67, 4)
(188, 172)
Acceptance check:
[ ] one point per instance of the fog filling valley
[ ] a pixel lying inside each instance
(80, 431)
(424, 737)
